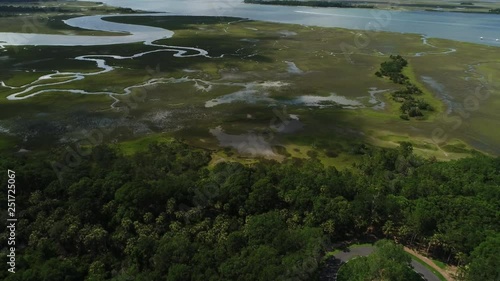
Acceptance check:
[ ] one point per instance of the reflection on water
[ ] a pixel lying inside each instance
(288, 126)
(476, 28)
(249, 143)
(287, 33)
(442, 93)
(253, 92)
(292, 68)
(466, 27)
(332, 99)
(378, 104)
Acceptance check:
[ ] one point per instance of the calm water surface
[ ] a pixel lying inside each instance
(475, 28)
(465, 27)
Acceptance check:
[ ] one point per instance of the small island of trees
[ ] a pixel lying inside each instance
(410, 106)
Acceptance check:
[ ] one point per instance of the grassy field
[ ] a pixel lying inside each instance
(285, 88)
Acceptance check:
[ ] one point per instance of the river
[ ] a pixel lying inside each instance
(475, 28)
(467, 27)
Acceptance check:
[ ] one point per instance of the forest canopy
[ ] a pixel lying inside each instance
(166, 214)
(388, 262)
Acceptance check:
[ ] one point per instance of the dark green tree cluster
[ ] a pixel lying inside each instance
(165, 214)
(11, 10)
(20, 9)
(388, 262)
(159, 215)
(485, 260)
(495, 11)
(393, 69)
(410, 106)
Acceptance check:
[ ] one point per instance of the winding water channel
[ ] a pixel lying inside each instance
(476, 28)
(430, 24)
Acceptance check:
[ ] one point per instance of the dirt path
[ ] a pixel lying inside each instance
(446, 274)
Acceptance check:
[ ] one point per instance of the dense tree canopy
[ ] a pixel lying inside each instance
(485, 260)
(165, 214)
(388, 262)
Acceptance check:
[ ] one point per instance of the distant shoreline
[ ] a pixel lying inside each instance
(379, 5)
(321, 4)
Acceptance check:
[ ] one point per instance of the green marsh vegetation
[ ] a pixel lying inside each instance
(153, 208)
(256, 52)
